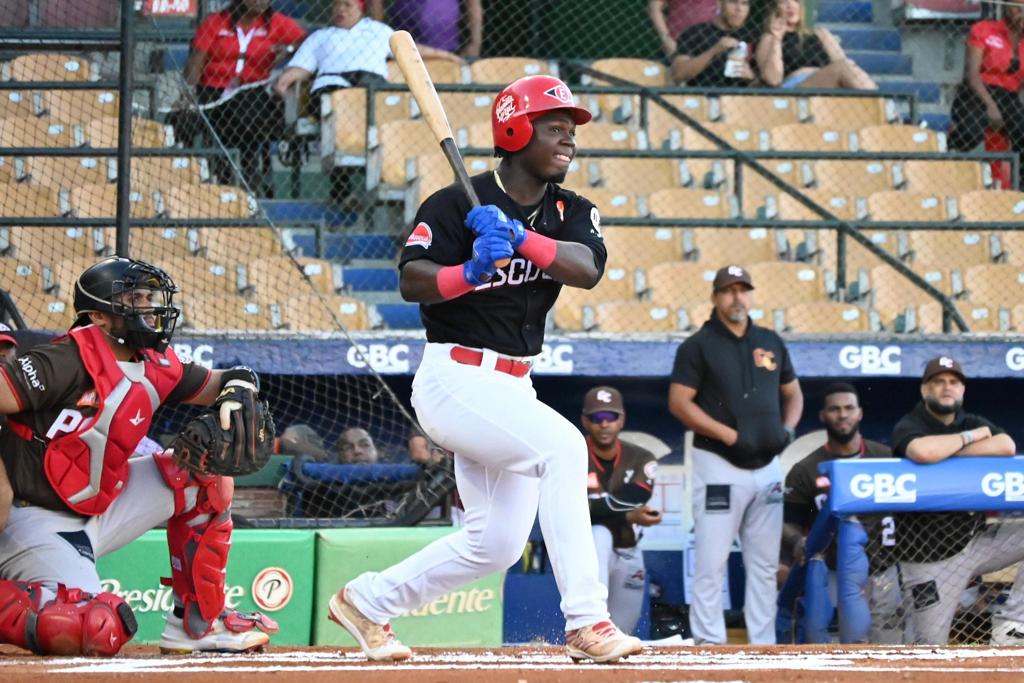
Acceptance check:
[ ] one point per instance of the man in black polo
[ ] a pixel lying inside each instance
(941, 552)
(733, 384)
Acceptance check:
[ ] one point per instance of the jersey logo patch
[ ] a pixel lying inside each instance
(505, 108)
(421, 236)
(764, 359)
(651, 470)
(995, 42)
(592, 482)
(560, 205)
(595, 220)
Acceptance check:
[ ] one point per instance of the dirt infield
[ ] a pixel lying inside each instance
(537, 664)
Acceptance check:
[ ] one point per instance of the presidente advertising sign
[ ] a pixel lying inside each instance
(466, 617)
(268, 570)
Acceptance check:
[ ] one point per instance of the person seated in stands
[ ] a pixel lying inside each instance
(435, 22)
(232, 56)
(670, 18)
(791, 55)
(717, 53)
(353, 51)
(355, 447)
(989, 96)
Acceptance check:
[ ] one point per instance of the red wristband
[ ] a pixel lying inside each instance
(451, 283)
(539, 249)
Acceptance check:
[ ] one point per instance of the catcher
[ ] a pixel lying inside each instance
(77, 407)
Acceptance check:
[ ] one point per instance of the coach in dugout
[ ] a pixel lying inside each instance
(941, 552)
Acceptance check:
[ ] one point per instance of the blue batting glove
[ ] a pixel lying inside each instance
(489, 219)
(486, 250)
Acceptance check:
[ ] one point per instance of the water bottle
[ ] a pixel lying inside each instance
(735, 59)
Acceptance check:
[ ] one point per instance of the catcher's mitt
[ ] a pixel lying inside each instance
(245, 447)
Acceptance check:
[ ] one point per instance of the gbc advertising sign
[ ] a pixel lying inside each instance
(269, 571)
(470, 616)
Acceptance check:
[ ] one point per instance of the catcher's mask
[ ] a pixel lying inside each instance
(136, 291)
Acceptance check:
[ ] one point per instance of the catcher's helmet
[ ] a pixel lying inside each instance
(109, 286)
(523, 100)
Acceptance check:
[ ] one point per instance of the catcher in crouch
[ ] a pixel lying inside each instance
(77, 407)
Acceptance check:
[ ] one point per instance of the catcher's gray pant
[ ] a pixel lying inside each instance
(932, 590)
(57, 547)
(728, 501)
(622, 571)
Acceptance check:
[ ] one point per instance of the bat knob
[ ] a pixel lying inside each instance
(502, 262)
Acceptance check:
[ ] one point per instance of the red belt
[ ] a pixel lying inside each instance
(516, 368)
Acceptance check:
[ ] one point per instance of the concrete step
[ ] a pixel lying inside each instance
(878, 62)
(860, 37)
(846, 11)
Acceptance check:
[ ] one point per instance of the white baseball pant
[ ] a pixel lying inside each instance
(512, 453)
(744, 502)
(621, 570)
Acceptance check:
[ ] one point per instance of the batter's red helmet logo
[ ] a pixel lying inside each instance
(505, 109)
(272, 588)
(560, 93)
(764, 359)
(421, 236)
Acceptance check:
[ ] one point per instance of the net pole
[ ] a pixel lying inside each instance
(124, 126)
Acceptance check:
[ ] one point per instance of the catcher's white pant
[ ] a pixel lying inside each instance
(621, 570)
(39, 544)
(511, 453)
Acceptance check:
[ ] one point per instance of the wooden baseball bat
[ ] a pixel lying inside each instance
(403, 47)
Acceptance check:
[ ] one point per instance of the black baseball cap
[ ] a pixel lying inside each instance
(600, 399)
(937, 366)
(730, 275)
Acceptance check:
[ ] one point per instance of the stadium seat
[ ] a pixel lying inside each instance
(150, 174)
(991, 206)
(680, 284)
(346, 120)
(100, 201)
(783, 284)
(698, 314)
(434, 172)
(33, 132)
(277, 278)
(311, 314)
(991, 284)
(1009, 246)
(503, 70)
(79, 106)
(836, 202)
(42, 312)
(959, 250)
(858, 258)
(688, 203)
(17, 104)
(635, 316)
(440, 70)
(979, 318)
(945, 178)
(758, 111)
(65, 271)
(221, 244)
(197, 276)
(716, 247)
(391, 106)
(208, 201)
(598, 135)
(635, 247)
(899, 139)
(152, 244)
(42, 66)
(68, 172)
(28, 200)
(853, 176)
(740, 137)
(638, 175)
(891, 293)
(894, 205)
(466, 108)
(50, 244)
(145, 133)
(1017, 316)
(663, 128)
(611, 202)
(759, 192)
(226, 313)
(825, 317)
(847, 113)
(22, 276)
(808, 137)
(400, 141)
(644, 72)
(618, 284)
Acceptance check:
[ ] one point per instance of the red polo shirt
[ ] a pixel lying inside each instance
(993, 37)
(223, 43)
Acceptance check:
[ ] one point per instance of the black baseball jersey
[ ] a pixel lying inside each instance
(934, 536)
(737, 380)
(50, 382)
(619, 485)
(508, 313)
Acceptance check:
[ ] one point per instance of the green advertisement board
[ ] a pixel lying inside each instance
(470, 616)
(268, 570)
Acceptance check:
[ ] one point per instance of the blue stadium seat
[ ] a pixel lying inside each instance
(403, 316)
(849, 12)
(286, 210)
(869, 38)
(876, 62)
(370, 279)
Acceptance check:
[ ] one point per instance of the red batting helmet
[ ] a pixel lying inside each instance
(523, 100)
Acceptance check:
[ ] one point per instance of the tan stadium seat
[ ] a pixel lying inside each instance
(77, 106)
(597, 135)
(347, 119)
(399, 141)
(277, 278)
(503, 70)
(825, 317)
(847, 113)
(434, 172)
(21, 276)
(227, 313)
(839, 204)
(853, 176)
(698, 314)
(858, 257)
(688, 203)
(49, 67)
(638, 176)
(618, 284)
(16, 104)
(611, 202)
(102, 132)
(391, 106)
(208, 201)
(197, 276)
(740, 137)
(635, 316)
(644, 72)
(480, 135)
(992, 206)
(100, 201)
(758, 111)
(978, 318)
(8, 172)
(66, 272)
(310, 313)
(990, 285)
(33, 132)
(959, 250)
(636, 247)
(898, 139)
(783, 284)
(807, 137)
(150, 174)
(716, 247)
(440, 70)
(50, 244)
(463, 109)
(221, 244)
(757, 188)
(28, 200)
(153, 244)
(68, 172)
(892, 293)
(894, 205)
(680, 284)
(663, 126)
(1011, 246)
(44, 312)
(1017, 315)
(943, 178)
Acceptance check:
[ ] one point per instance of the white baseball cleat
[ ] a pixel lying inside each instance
(232, 632)
(601, 642)
(376, 640)
(1007, 632)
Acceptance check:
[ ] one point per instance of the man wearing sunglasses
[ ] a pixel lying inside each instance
(619, 484)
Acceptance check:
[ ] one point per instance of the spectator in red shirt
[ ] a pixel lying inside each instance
(990, 93)
(233, 53)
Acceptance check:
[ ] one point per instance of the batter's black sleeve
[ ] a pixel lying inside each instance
(689, 367)
(193, 379)
(439, 232)
(583, 225)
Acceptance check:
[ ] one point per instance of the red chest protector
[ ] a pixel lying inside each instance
(88, 468)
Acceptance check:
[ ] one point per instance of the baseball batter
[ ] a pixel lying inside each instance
(472, 392)
(733, 384)
(77, 408)
(619, 484)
